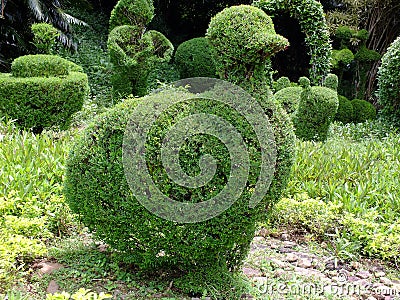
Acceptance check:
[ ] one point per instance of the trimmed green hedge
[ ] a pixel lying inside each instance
(317, 108)
(39, 102)
(311, 17)
(42, 65)
(389, 82)
(134, 53)
(244, 39)
(363, 111)
(194, 58)
(46, 93)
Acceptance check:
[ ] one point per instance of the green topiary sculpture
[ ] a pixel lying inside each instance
(317, 108)
(243, 52)
(194, 58)
(389, 83)
(132, 12)
(133, 50)
(209, 254)
(289, 98)
(42, 91)
(44, 37)
(311, 17)
(133, 54)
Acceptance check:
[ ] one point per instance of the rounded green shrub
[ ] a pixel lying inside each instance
(243, 38)
(363, 111)
(345, 110)
(132, 12)
(342, 58)
(344, 33)
(41, 102)
(194, 58)
(42, 65)
(366, 55)
(281, 83)
(44, 37)
(317, 108)
(97, 190)
(289, 98)
(389, 83)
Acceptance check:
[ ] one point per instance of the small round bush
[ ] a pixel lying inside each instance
(341, 58)
(345, 110)
(44, 37)
(289, 98)
(132, 12)
(42, 65)
(281, 83)
(317, 108)
(363, 111)
(194, 58)
(366, 55)
(97, 190)
(344, 33)
(389, 83)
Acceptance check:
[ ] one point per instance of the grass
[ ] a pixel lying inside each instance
(344, 192)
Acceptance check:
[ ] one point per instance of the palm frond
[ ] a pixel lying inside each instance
(36, 8)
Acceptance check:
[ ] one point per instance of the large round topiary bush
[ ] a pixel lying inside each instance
(389, 82)
(42, 91)
(362, 111)
(194, 58)
(344, 113)
(202, 255)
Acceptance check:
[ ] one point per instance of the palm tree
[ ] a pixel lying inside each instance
(16, 17)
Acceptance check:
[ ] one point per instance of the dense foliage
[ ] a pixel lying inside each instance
(42, 65)
(362, 111)
(96, 188)
(42, 92)
(312, 21)
(345, 110)
(134, 54)
(243, 51)
(389, 82)
(317, 108)
(44, 37)
(194, 58)
(134, 50)
(289, 98)
(136, 13)
(31, 202)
